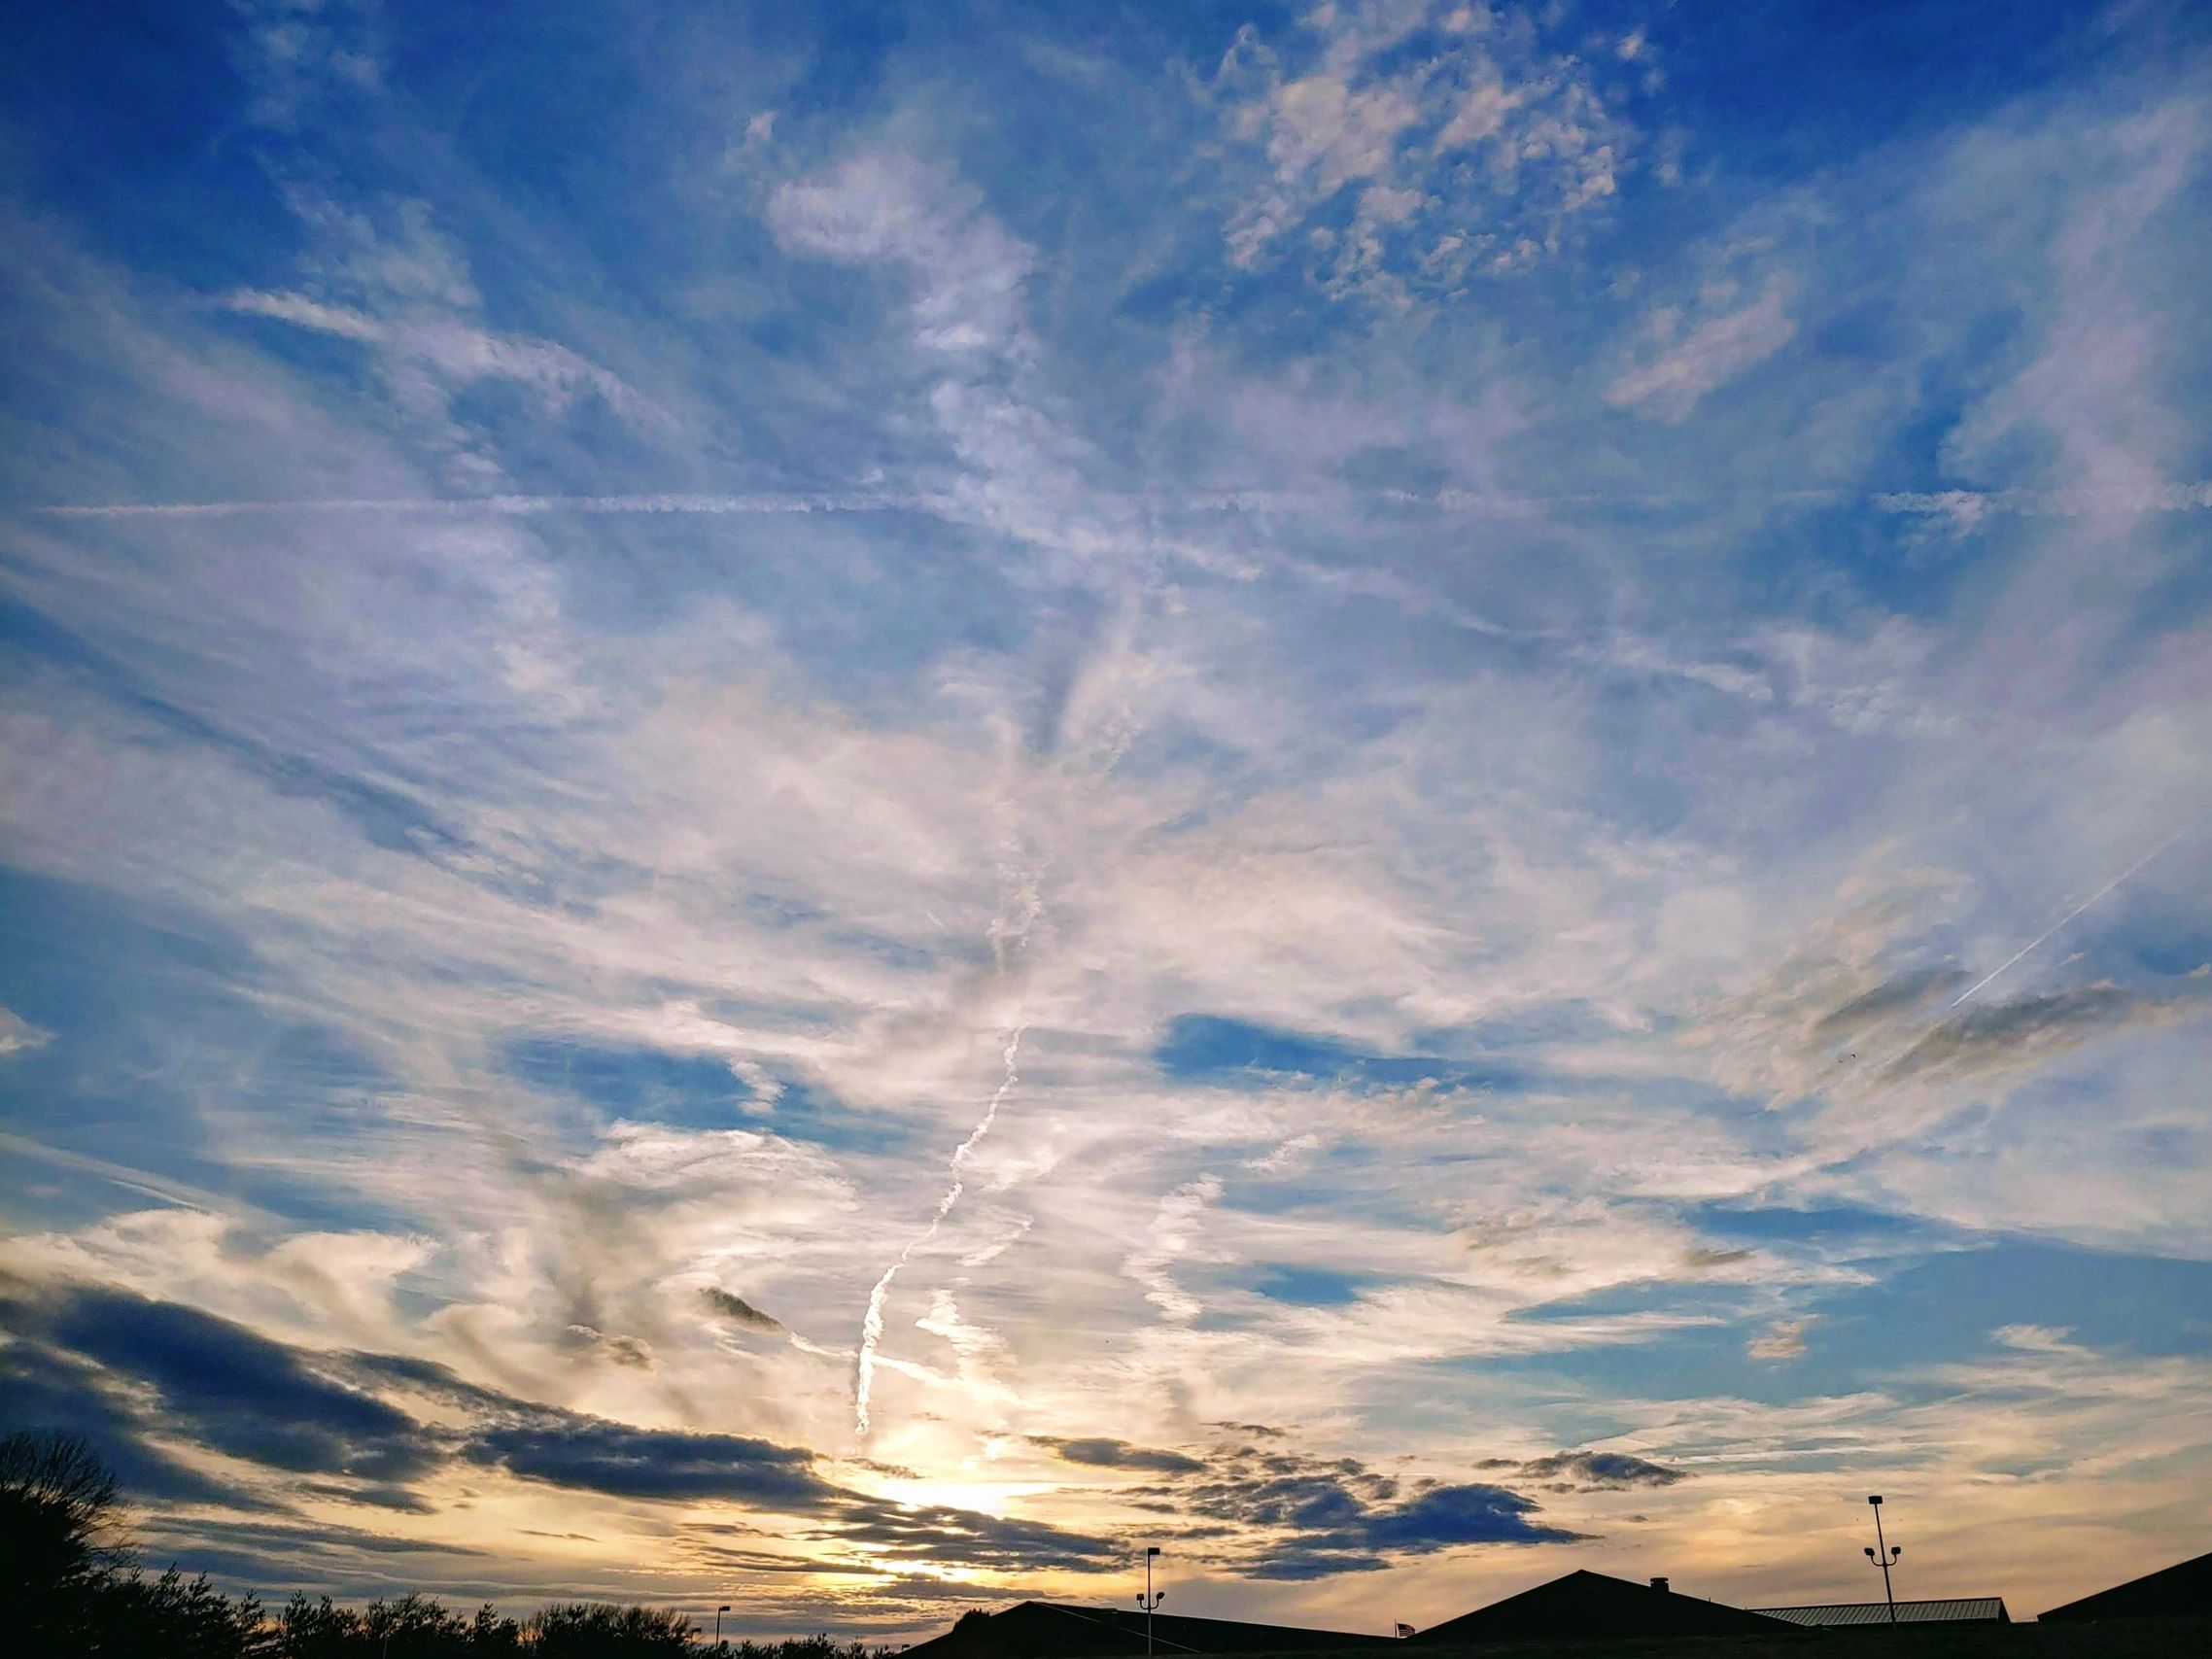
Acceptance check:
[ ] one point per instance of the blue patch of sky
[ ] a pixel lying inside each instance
(330, 362)
(481, 78)
(643, 1084)
(700, 1092)
(389, 817)
(1306, 1285)
(325, 1199)
(1940, 1310)
(2149, 1306)
(588, 440)
(1883, 1231)
(1318, 1187)
(1879, 75)
(1204, 1047)
(1692, 1362)
(2150, 937)
(1307, 1193)
(130, 119)
(89, 967)
(818, 1116)
(151, 1014)
(2180, 599)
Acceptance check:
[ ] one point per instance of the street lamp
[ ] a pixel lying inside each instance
(718, 1612)
(1148, 1600)
(1884, 1560)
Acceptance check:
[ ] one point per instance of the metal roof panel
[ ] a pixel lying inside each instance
(1954, 1611)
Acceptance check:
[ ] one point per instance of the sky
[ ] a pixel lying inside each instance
(836, 807)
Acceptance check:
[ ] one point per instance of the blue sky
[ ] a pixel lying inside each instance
(834, 807)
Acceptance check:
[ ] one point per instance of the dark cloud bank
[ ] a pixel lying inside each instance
(135, 1374)
(1119, 1454)
(1327, 1516)
(1589, 1471)
(131, 1373)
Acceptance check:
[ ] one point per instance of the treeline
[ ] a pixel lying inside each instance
(415, 1627)
(68, 1588)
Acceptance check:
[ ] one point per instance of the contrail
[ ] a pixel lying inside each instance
(1964, 507)
(1869, 1068)
(515, 506)
(1983, 983)
(872, 1324)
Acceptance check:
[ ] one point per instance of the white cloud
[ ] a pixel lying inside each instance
(1474, 145)
(884, 208)
(390, 281)
(1784, 1340)
(19, 1035)
(1288, 1155)
(2035, 1338)
(303, 312)
(1173, 1233)
(458, 353)
(1714, 353)
(2085, 390)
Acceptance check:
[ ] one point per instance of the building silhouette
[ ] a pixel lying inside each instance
(1586, 1606)
(2181, 1591)
(1051, 1630)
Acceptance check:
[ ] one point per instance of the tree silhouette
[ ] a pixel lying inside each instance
(414, 1627)
(61, 1518)
(587, 1629)
(174, 1616)
(69, 1590)
(61, 1537)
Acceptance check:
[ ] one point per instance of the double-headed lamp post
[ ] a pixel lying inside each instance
(1148, 1600)
(718, 1612)
(1883, 1554)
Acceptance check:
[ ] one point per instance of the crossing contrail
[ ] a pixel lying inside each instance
(872, 1324)
(2005, 966)
(1959, 507)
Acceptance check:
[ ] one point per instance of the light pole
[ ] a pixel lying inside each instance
(1887, 1553)
(1148, 1600)
(718, 1612)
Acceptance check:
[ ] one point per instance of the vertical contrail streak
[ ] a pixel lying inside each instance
(872, 1324)
(2005, 966)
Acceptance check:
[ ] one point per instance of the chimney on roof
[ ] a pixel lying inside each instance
(1660, 1586)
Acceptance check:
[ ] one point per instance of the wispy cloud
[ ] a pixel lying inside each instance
(1172, 1234)
(553, 751)
(1706, 358)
